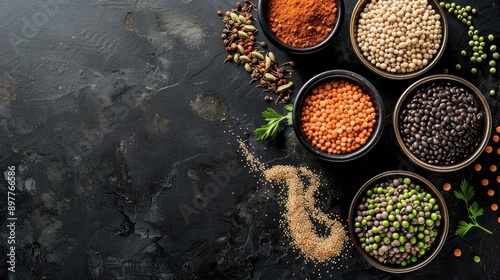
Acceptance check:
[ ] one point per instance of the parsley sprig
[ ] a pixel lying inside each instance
(274, 119)
(473, 210)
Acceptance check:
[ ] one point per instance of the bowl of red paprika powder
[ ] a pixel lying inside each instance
(300, 27)
(338, 116)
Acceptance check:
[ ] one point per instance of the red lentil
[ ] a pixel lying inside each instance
(485, 182)
(338, 117)
(488, 149)
(477, 167)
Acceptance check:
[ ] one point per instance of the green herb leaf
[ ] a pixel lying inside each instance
(271, 128)
(463, 228)
(475, 211)
(289, 107)
(270, 115)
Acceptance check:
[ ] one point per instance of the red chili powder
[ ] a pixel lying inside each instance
(303, 23)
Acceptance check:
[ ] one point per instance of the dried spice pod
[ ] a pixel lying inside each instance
(238, 37)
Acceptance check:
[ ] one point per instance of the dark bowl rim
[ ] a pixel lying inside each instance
(353, 77)
(262, 12)
(443, 233)
(487, 125)
(398, 76)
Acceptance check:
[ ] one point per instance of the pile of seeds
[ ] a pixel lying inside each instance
(397, 221)
(298, 196)
(239, 39)
(441, 124)
(301, 209)
(399, 36)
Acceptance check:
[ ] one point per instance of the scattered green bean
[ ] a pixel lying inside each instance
(492, 63)
(492, 92)
(463, 53)
(496, 55)
(491, 37)
(477, 259)
(493, 48)
(473, 70)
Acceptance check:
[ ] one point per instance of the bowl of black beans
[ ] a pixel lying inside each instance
(398, 221)
(442, 123)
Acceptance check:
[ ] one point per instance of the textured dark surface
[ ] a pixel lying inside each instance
(119, 115)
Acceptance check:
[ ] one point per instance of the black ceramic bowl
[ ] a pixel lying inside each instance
(367, 88)
(442, 230)
(262, 12)
(452, 80)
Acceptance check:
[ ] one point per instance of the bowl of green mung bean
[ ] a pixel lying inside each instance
(398, 221)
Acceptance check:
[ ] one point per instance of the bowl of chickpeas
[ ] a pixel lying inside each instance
(398, 221)
(338, 115)
(398, 39)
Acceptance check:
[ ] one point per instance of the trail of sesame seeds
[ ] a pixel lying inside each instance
(301, 229)
(300, 209)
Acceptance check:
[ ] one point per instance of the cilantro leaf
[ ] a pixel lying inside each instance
(473, 210)
(463, 228)
(274, 119)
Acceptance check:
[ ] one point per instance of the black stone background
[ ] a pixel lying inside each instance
(118, 113)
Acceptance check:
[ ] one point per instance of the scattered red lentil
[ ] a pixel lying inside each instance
(493, 168)
(446, 186)
(498, 151)
(485, 182)
(495, 138)
(457, 252)
(488, 149)
(498, 129)
(338, 117)
(477, 167)
(494, 207)
(498, 179)
(498, 219)
(491, 192)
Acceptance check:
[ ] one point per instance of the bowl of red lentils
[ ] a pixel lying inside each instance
(442, 123)
(338, 115)
(300, 27)
(398, 39)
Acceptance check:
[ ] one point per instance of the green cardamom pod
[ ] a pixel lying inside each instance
(271, 56)
(268, 62)
(270, 77)
(258, 55)
(250, 28)
(236, 58)
(243, 34)
(248, 67)
(245, 59)
(242, 19)
(240, 49)
(235, 17)
(285, 87)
